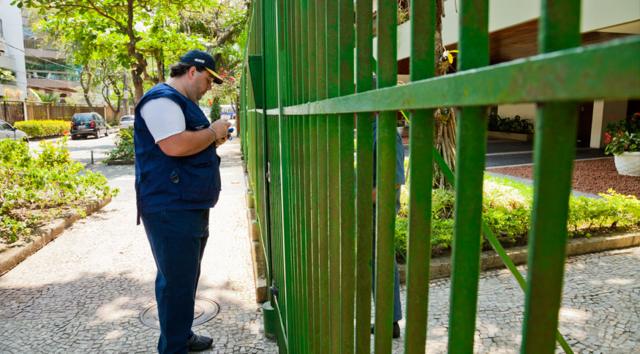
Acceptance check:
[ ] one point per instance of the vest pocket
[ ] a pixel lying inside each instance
(200, 178)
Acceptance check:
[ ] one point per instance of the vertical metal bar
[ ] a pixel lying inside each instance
(470, 157)
(304, 122)
(387, 72)
(296, 230)
(286, 175)
(553, 161)
(296, 204)
(333, 154)
(313, 190)
(422, 66)
(347, 183)
(325, 335)
(296, 163)
(364, 179)
(278, 54)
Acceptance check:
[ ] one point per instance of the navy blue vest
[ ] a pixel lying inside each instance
(174, 183)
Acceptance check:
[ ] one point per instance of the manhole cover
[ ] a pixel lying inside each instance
(203, 311)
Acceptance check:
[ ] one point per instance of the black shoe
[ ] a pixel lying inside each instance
(199, 343)
(396, 330)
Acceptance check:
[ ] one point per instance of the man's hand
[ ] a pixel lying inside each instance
(220, 127)
(221, 141)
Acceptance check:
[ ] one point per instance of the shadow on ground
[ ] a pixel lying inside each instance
(100, 312)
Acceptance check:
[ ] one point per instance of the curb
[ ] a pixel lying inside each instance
(11, 257)
(257, 251)
(119, 162)
(441, 266)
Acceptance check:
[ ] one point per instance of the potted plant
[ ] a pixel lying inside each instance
(622, 140)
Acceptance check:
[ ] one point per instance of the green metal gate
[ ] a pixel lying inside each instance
(300, 108)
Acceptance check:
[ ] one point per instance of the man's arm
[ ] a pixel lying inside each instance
(189, 143)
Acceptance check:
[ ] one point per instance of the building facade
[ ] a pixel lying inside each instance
(13, 80)
(513, 27)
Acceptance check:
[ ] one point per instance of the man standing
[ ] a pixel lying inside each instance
(177, 182)
(399, 181)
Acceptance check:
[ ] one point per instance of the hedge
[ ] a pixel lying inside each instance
(43, 128)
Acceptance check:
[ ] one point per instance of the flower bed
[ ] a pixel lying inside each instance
(35, 189)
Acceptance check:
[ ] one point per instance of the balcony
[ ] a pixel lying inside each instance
(8, 62)
(44, 53)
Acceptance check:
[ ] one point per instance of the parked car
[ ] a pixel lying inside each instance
(85, 124)
(126, 121)
(7, 131)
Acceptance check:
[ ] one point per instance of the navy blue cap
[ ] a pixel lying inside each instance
(203, 60)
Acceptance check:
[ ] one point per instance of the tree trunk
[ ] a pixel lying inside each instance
(160, 66)
(445, 118)
(140, 64)
(86, 86)
(112, 81)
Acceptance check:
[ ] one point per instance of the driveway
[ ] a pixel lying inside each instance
(84, 292)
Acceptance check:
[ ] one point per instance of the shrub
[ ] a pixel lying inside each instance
(441, 236)
(124, 150)
(216, 110)
(511, 125)
(507, 211)
(43, 128)
(37, 188)
(612, 211)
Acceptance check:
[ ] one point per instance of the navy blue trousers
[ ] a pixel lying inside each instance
(177, 239)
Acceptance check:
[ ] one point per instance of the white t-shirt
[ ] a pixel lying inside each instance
(163, 117)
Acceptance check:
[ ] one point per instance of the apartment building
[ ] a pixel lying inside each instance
(13, 78)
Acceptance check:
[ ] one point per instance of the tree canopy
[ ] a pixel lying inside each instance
(140, 36)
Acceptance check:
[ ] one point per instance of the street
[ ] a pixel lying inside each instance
(81, 149)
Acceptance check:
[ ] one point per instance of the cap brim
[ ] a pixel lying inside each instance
(216, 78)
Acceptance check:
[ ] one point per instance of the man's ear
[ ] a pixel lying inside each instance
(192, 71)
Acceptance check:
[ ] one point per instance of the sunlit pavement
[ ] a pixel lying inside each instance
(84, 292)
(600, 307)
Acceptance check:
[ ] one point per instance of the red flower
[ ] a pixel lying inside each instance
(607, 138)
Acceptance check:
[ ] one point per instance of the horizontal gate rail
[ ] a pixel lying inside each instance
(566, 75)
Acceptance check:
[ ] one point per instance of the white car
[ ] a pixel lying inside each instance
(126, 121)
(7, 131)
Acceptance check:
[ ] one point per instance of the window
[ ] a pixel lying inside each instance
(5, 126)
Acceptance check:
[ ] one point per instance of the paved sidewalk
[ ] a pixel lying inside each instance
(600, 307)
(83, 292)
